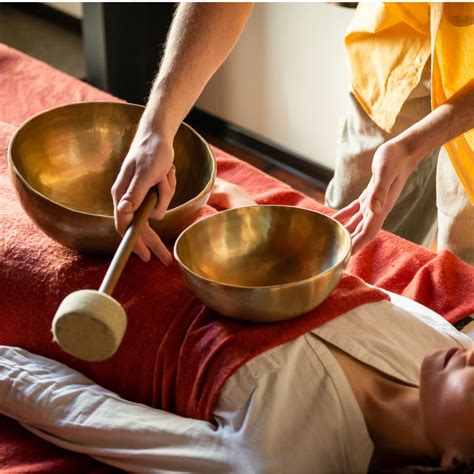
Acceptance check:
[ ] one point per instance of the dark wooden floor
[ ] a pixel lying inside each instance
(294, 180)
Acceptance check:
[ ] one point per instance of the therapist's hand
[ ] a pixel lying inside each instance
(225, 195)
(147, 164)
(396, 159)
(364, 217)
(201, 36)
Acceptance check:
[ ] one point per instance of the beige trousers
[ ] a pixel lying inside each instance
(432, 193)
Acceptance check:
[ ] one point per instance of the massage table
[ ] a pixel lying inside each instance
(440, 282)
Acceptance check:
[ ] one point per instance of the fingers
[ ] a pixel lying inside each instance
(359, 219)
(122, 181)
(372, 221)
(122, 220)
(128, 193)
(364, 217)
(135, 193)
(354, 222)
(379, 189)
(227, 195)
(347, 212)
(155, 244)
(172, 179)
(149, 242)
(147, 163)
(366, 231)
(141, 249)
(150, 239)
(388, 165)
(368, 223)
(166, 189)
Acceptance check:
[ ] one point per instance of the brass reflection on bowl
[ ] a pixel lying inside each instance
(263, 263)
(64, 161)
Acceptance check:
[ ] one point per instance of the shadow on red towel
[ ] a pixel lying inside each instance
(23, 452)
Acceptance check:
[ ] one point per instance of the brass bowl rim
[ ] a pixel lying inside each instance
(342, 261)
(14, 169)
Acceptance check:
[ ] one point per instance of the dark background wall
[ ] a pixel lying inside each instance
(123, 46)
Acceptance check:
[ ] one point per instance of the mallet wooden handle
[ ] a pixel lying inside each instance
(128, 242)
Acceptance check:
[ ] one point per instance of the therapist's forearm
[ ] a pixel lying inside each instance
(201, 37)
(446, 122)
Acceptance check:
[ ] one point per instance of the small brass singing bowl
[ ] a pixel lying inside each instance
(263, 263)
(64, 161)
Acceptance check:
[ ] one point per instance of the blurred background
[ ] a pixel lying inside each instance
(277, 102)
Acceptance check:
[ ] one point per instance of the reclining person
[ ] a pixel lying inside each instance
(377, 387)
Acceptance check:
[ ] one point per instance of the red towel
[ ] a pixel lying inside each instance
(213, 348)
(176, 353)
(28, 86)
(441, 282)
(23, 452)
(173, 346)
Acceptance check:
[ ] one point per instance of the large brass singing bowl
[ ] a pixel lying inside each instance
(64, 161)
(263, 263)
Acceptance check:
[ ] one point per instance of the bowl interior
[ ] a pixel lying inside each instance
(263, 246)
(72, 155)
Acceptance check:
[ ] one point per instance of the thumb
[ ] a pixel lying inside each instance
(379, 193)
(134, 195)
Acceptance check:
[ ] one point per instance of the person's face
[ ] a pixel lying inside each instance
(447, 403)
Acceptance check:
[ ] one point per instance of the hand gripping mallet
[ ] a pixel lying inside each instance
(90, 324)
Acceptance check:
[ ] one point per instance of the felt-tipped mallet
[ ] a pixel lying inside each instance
(90, 324)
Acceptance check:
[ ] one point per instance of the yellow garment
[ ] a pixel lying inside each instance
(388, 45)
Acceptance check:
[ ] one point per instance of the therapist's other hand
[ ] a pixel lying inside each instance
(364, 217)
(148, 163)
(396, 159)
(225, 195)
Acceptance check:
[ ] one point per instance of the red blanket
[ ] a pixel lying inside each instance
(36, 270)
(23, 452)
(176, 354)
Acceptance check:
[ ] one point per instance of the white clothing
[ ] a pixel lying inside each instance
(290, 409)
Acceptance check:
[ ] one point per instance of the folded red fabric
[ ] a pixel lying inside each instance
(161, 361)
(212, 348)
(23, 452)
(176, 354)
(441, 282)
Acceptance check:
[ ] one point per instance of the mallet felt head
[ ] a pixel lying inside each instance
(89, 325)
